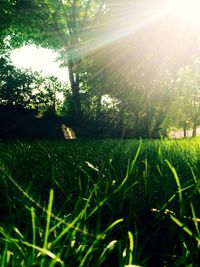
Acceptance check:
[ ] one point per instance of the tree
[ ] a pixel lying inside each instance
(186, 105)
(14, 85)
(65, 26)
(6, 18)
(143, 93)
(44, 93)
(27, 89)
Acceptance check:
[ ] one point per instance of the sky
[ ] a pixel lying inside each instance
(39, 59)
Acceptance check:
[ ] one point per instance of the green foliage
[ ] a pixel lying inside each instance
(27, 89)
(186, 105)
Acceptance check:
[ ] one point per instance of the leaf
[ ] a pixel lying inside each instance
(91, 166)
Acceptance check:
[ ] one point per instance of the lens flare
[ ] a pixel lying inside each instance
(186, 10)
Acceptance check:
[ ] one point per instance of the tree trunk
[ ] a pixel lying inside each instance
(184, 132)
(149, 129)
(98, 108)
(121, 120)
(74, 82)
(136, 125)
(194, 130)
(150, 122)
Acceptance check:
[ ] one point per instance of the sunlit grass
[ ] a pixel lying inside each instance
(100, 203)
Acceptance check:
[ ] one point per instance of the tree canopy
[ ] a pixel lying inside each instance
(132, 69)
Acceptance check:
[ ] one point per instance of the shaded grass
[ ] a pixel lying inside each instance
(100, 203)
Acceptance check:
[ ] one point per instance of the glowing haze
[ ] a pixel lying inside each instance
(187, 10)
(39, 59)
(129, 18)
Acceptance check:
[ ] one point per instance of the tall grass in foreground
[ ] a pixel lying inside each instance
(100, 203)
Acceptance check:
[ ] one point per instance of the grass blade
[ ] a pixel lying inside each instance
(49, 212)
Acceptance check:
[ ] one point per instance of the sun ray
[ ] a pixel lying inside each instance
(185, 10)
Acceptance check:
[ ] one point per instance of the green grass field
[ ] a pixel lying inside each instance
(100, 203)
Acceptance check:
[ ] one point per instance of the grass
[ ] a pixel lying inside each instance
(100, 203)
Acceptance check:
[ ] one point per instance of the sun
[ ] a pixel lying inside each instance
(186, 10)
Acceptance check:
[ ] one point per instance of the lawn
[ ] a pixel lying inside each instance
(100, 203)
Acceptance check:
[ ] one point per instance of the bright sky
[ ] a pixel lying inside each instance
(39, 59)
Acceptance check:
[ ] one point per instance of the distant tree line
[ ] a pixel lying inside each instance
(27, 89)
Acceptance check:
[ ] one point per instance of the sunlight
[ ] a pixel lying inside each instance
(39, 59)
(186, 10)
